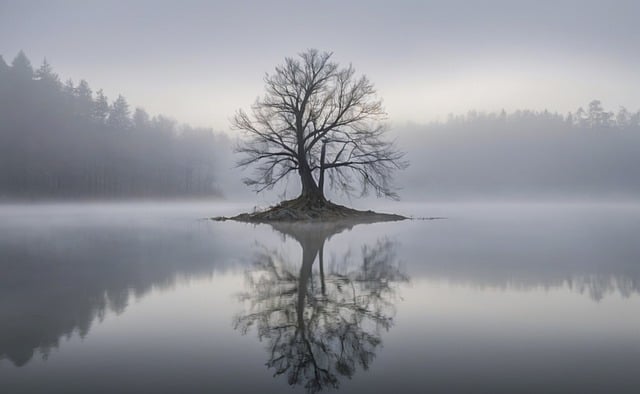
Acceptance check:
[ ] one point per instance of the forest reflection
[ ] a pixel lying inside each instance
(321, 323)
(60, 278)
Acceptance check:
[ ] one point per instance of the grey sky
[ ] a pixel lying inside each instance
(200, 61)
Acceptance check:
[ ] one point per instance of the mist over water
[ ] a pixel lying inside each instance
(107, 295)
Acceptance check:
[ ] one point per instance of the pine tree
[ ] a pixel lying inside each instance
(84, 100)
(21, 66)
(68, 88)
(83, 91)
(623, 118)
(581, 118)
(140, 119)
(46, 75)
(569, 119)
(100, 107)
(119, 114)
(3, 65)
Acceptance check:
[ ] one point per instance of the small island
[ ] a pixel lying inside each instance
(320, 121)
(303, 209)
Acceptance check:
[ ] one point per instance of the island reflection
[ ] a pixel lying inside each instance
(321, 323)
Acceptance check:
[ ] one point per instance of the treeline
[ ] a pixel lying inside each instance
(586, 154)
(594, 117)
(63, 140)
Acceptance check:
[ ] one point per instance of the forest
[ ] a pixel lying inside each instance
(63, 140)
(591, 153)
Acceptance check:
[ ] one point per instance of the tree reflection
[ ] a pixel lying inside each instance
(324, 324)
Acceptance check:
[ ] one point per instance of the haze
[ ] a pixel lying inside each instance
(201, 196)
(199, 61)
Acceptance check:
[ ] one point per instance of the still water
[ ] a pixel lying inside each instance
(105, 298)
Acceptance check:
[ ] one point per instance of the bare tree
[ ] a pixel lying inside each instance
(321, 121)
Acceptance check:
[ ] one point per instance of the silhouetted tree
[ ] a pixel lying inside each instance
(84, 99)
(569, 119)
(581, 117)
(119, 114)
(4, 67)
(598, 117)
(623, 118)
(68, 88)
(83, 91)
(101, 107)
(46, 75)
(319, 120)
(21, 66)
(140, 119)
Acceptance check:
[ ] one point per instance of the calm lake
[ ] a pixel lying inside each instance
(130, 298)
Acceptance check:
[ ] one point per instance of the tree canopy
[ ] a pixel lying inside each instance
(320, 120)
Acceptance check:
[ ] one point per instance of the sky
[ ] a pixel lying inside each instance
(200, 61)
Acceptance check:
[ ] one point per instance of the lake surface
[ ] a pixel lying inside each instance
(126, 298)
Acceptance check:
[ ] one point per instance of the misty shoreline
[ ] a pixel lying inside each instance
(65, 142)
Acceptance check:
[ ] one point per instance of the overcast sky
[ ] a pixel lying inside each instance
(199, 61)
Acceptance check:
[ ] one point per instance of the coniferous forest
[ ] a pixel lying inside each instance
(63, 139)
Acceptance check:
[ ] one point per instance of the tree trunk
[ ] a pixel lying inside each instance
(310, 189)
(323, 153)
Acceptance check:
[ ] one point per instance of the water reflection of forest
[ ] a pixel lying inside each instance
(595, 286)
(55, 283)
